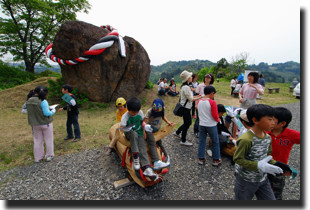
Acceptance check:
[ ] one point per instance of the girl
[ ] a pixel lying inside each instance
(249, 91)
(40, 119)
(173, 89)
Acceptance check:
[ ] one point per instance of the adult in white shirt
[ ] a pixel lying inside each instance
(186, 100)
(233, 84)
(163, 87)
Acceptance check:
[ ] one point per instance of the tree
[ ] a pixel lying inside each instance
(221, 67)
(30, 25)
(239, 62)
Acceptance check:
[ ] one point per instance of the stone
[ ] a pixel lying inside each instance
(104, 77)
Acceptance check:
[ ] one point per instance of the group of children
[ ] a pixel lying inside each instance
(141, 128)
(40, 119)
(263, 145)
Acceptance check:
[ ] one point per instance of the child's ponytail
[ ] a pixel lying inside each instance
(41, 91)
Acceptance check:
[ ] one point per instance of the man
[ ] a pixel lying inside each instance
(163, 87)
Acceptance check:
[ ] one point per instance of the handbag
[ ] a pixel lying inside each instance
(179, 109)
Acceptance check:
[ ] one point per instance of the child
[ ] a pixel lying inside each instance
(136, 136)
(154, 117)
(283, 140)
(194, 86)
(24, 108)
(223, 132)
(72, 115)
(121, 108)
(173, 89)
(208, 119)
(252, 156)
(238, 87)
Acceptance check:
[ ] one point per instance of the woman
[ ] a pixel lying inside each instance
(173, 89)
(186, 100)
(40, 119)
(249, 91)
(207, 80)
(233, 84)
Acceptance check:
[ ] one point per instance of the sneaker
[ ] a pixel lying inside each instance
(38, 161)
(160, 165)
(209, 152)
(217, 162)
(76, 139)
(150, 173)
(201, 161)
(67, 138)
(136, 164)
(194, 116)
(177, 135)
(49, 158)
(186, 143)
(197, 135)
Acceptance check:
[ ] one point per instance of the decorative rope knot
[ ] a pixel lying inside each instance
(98, 48)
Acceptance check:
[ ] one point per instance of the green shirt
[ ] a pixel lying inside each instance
(250, 150)
(127, 119)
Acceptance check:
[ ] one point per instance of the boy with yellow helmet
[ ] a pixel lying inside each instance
(121, 108)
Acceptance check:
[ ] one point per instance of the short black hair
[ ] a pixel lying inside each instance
(255, 75)
(68, 87)
(209, 89)
(258, 111)
(220, 108)
(283, 115)
(133, 104)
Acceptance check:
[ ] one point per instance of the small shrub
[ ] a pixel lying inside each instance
(149, 85)
(102, 105)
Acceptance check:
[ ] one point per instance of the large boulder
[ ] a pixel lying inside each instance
(107, 76)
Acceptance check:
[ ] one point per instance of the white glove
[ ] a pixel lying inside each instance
(148, 128)
(264, 167)
(235, 142)
(53, 110)
(236, 111)
(229, 111)
(225, 134)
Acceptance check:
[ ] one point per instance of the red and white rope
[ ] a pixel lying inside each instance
(104, 43)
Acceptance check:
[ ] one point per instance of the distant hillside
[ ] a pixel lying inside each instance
(38, 68)
(174, 68)
(277, 72)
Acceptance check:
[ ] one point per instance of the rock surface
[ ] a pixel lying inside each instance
(107, 76)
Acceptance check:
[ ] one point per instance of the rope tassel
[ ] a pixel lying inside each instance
(98, 48)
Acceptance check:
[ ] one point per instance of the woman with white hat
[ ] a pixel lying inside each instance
(186, 100)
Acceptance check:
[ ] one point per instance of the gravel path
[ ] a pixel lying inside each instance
(89, 175)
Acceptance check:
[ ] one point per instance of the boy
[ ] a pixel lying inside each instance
(154, 117)
(253, 154)
(134, 116)
(121, 108)
(72, 114)
(283, 140)
(208, 119)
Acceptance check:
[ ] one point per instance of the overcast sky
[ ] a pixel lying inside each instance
(173, 30)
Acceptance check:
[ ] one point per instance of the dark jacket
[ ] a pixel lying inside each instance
(72, 110)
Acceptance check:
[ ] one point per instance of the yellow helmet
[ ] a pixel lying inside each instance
(120, 102)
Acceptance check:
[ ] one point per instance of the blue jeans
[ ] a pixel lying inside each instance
(73, 119)
(163, 91)
(246, 190)
(212, 131)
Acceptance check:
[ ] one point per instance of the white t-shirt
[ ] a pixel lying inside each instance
(162, 85)
(233, 83)
(126, 116)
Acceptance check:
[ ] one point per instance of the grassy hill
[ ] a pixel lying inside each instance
(16, 138)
